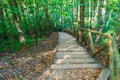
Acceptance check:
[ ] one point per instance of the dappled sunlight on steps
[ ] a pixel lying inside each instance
(72, 56)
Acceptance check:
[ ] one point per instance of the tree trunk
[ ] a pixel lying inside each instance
(61, 13)
(72, 13)
(2, 21)
(46, 18)
(82, 19)
(82, 14)
(37, 21)
(1, 11)
(101, 18)
(27, 23)
(16, 19)
(96, 14)
(90, 14)
(78, 10)
(110, 14)
(16, 5)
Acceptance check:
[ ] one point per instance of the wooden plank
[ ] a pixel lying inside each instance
(73, 56)
(69, 53)
(104, 74)
(69, 45)
(75, 66)
(74, 61)
(71, 50)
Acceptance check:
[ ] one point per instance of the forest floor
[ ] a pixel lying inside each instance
(31, 62)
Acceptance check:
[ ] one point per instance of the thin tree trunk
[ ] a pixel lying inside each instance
(37, 21)
(21, 7)
(78, 13)
(2, 21)
(72, 13)
(33, 14)
(101, 18)
(99, 21)
(82, 13)
(56, 14)
(16, 19)
(109, 19)
(1, 12)
(61, 13)
(16, 5)
(47, 20)
(90, 14)
(96, 13)
(82, 19)
(103, 11)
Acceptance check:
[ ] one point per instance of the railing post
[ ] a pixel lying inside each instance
(91, 43)
(77, 35)
(111, 62)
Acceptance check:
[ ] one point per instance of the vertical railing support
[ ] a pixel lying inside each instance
(111, 62)
(91, 43)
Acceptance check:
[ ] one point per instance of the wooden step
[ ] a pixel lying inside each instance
(104, 74)
(74, 45)
(75, 66)
(69, 53)
(63, 46)
(74, 61)
(72, 50)
(68, 40)
(72, 56)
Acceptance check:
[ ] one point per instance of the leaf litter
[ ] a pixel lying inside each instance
(31, 62)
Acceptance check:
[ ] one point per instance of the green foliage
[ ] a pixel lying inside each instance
(39, 18)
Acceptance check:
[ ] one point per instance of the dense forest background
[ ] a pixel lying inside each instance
(26, 21)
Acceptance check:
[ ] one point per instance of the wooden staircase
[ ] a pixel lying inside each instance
(70, 55)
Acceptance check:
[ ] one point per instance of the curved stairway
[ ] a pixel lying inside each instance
(71, 55)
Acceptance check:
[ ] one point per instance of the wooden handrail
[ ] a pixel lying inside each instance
(91, 41)
(115, 60)
(112, 52)
(98, 33)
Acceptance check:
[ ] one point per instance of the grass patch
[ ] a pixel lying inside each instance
(13, 46)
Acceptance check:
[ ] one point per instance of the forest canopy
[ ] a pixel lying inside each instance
(26, 21)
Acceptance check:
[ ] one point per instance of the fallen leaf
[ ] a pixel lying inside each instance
(1, 67)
